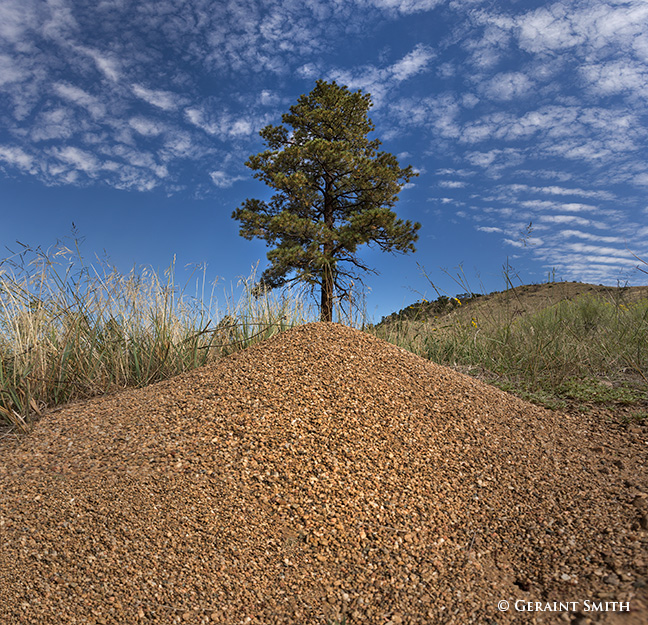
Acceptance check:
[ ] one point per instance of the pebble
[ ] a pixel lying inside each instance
(326, 472)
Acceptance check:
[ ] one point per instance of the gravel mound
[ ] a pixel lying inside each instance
(322, 476)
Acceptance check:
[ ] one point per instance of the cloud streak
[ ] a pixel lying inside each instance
(547, 125)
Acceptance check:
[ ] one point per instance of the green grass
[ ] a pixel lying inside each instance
(70, 330)
(591, 349)
(640, 417)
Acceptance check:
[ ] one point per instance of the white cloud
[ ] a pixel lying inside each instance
(540, 204)
(640, 47)
(438, 113)
(178, 144)
(17, 17)
(308, 70)
(368, 78)
(580, 150)
(222, 125)
(106, 64)
(59, 123)
(550, 123)
(9, 71)
(240, 127)
(598, 250)
(575, 207)
(495, 160)
(263, 37)
(469, 100)
(406, 6)
(378, 81)
(548, 29)
(452, 184)
(602, 46)
(581, 134)
(447, 69)
(515, 243)
(16, 157)
(580, 247)
(589, 237)
(489, 229)
(164, 100)
(617, 77)
(78, 96)
(487, 49)
(269, 98)
(572, 207)
(59, 23)
(223, 180)
(412, 63)
(508, 86)
(146, 127)
(570, 219)
(141, 160)
(555, 190)
(582, 26)
(447, 171)
(77, 158)
(482, 159)
(588, 268)
(197, 118)
(135, 178)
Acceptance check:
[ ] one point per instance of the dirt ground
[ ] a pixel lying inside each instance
(323, 476)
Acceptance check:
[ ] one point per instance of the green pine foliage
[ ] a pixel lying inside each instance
(334, 192)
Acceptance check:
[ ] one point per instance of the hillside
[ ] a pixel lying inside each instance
(564, 345)
(504, 306)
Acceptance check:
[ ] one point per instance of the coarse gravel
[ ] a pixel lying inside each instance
(322, 476)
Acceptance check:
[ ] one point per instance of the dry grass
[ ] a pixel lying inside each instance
(71, 330)
(551, 343)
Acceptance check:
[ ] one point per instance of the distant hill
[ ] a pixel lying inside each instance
(499, 306)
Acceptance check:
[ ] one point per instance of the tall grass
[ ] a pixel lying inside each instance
(70, 330)
(576, 348)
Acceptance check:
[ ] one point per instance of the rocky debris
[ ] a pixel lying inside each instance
(322, 476)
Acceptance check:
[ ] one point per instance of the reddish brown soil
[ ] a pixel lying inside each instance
(319, 476)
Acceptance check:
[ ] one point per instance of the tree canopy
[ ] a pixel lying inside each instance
(334, 192)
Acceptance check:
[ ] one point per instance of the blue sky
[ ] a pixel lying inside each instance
(134, 119)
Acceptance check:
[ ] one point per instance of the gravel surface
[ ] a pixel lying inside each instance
(322, 476)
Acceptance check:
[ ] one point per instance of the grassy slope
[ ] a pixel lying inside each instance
(563, 345)
(69, 330)
(503, 306)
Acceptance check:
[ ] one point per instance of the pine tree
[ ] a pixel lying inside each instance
(334, 189)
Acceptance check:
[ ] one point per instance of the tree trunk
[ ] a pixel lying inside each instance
(326, 302)
(326, 306)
